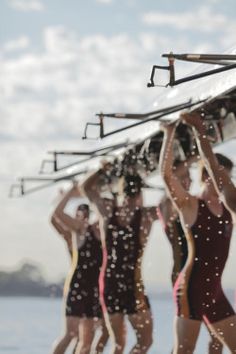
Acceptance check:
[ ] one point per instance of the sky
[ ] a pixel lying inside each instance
(62, 61)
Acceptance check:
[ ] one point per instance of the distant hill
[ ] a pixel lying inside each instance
(27, 281)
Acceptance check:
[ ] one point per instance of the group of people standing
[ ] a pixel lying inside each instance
(106, 285)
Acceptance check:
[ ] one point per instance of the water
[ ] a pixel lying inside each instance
(30, 325)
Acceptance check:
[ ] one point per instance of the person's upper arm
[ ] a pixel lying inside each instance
(179, 196)
(58, 225)
(222, 182)
(61, 229)
(221, 179)
(104, 206)
(70, 222)
(228, 191)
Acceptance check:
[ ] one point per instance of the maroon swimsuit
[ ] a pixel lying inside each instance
(198, 291)
(123, 285)
(83, 297)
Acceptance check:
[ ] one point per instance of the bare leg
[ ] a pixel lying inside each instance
(71, 332)
(117, 323)
(214, 346)
(76, 344)
(186, 334)
(102, 339)
(143, 325)
(225, 330)
(86, 335)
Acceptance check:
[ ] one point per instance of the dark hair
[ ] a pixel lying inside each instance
(222, 160)
(83, 207)
(132, 185)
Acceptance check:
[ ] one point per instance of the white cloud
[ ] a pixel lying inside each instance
(17, 44)
(26, 5)
(59, 39)
(72, 78)
(202, 20)
(46, 98)
(62, 87)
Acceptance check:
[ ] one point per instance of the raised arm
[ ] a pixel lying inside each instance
(91, 188)
(166, 209)
(220, 177)
(71, 223)
(64, 232)
(182, 200)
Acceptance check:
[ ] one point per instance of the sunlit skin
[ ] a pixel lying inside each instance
(166, 210)
(75, 326)
(210, 194)
(187, 329)
(141, 321)
(169, 214)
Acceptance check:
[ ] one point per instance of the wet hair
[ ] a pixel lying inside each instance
(222, 160)
(132, 185)
(83, 207)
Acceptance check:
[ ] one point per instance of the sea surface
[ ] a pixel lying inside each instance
(30, 326)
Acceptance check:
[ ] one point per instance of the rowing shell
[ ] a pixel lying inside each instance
(140, 142)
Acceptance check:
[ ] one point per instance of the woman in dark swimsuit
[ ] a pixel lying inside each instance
(83, 311)
(172, 226)
(207, 224)
(126, 229)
